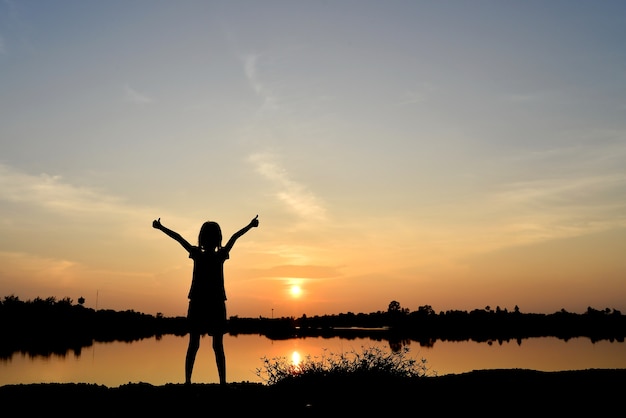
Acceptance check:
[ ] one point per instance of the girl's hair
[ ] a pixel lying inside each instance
(210, 236)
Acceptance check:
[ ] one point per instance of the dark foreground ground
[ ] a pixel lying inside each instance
(509, 392)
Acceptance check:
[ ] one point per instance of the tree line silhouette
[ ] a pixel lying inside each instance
(49, 326)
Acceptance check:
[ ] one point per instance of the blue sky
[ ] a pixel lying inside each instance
(457, 154)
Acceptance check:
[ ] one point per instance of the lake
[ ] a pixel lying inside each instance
(161, 360)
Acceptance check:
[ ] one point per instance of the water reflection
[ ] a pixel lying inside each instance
(296, 359)
(161, 361)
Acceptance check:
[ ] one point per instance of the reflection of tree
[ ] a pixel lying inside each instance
(50, 326)
(46, 326)
(397, 344)
(427, 342)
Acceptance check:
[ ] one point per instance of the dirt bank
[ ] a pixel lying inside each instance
(511, 391)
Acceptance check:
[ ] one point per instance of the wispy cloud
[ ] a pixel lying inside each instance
(298, 199)
(300, 271)
(133, 96)
(571, 191)
(41, 269)
(590, 195)
(533, 97)
(52, 193)
(524, 98)
(251, 70)
(420, 94)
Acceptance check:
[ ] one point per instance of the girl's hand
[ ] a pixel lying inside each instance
(157, 224)
(254, 223)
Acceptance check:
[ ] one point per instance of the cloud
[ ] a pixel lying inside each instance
(418, 95)
(40, 269)
(50, 192)
(298, 271)
(52, 195)
(524, 98)
(586, 202)
(571, 191)
(295, 196)
(133, 96)
(251, 70)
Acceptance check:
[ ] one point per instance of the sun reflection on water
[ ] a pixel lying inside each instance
(296, 360)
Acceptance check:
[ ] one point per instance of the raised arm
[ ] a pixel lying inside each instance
(172, 234)
(253, 224)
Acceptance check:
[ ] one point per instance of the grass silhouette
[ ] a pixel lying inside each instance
(371, 363)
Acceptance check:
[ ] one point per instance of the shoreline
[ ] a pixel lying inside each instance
(515, 390)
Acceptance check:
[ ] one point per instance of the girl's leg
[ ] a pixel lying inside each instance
(220, 358)
(192, 349)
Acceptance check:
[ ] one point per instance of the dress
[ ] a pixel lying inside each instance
(207, 295)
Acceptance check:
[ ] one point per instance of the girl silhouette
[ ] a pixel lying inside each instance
(207, 295)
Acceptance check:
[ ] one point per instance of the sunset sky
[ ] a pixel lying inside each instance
(457, 154)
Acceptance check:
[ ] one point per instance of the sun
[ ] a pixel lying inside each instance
(295, 291)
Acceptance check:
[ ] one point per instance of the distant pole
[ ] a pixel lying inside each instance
(272, 313)
(97, 299)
